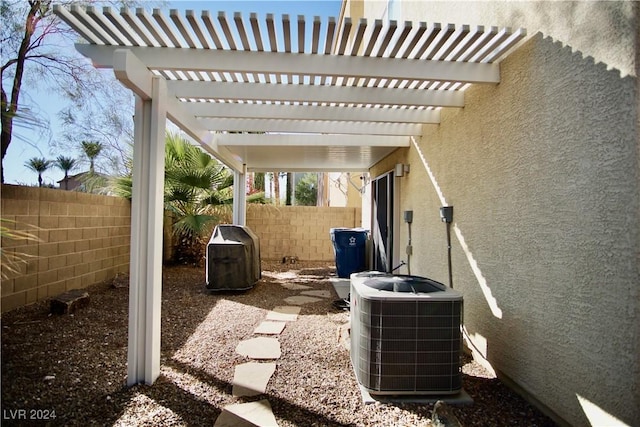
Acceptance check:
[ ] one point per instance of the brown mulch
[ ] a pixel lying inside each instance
(73, 367)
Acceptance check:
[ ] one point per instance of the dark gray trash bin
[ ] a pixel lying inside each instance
(233, 258)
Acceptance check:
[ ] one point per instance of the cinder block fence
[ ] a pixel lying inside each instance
(83, 239)
(300, 231)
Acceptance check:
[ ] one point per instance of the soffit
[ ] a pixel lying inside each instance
(313, 95)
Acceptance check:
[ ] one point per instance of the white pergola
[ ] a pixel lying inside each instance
(262, 94)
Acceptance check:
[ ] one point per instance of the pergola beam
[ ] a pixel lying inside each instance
(306, 140)
(316, 93)
(134, 75)
(310, 126)
(235, 61)
(312, 112)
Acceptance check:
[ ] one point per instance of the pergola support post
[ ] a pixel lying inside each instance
(240, 196)
(147, 208)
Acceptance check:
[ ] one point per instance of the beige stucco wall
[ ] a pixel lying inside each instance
(543, 173)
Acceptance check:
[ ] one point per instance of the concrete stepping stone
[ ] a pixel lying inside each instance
(270, 328)
(294, 286)
(253, 414)
(317, 293)
(251, 379)
(301, 299)
(260, 348)
(284, 313)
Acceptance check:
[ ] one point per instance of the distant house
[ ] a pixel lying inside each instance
(78, 182)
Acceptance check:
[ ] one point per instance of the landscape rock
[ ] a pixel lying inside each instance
(69, 302)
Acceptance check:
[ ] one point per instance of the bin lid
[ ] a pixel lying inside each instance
(333, 230)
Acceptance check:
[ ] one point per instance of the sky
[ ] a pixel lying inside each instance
(48, 105)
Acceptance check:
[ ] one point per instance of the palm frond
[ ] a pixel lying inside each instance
(11, 258)
(192, 225)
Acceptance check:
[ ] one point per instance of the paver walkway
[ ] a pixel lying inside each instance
(252, 378)
(260, 348)
(270, 328)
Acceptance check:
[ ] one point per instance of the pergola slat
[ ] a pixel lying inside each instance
(440, 41)
(301, 34)
(208, 23)
(465, 44)
(161, 20)
(277, 140)
(393, 26)
(331, 29)
(271, 30)
(102, 21)
(422, 27)
(182, 27)
(89, 23)
(255, 27)
(244, 39)
(157, 34)
(135, 25)
(403, 36)
(511, 41)
(197, 29)
(226, 30)
(431, 35)
(452, 43)
(491, 45)
(316, 34)
(286, 33)
(479, 44)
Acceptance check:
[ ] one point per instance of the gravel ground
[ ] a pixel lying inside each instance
(73, 367)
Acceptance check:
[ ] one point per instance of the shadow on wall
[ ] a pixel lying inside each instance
(564, 19)
(477, 342)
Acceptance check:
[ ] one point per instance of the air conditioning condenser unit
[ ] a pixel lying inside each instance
(405, 335)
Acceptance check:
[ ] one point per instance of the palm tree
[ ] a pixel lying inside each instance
(39, 165)
(195, 188)
(65, 164)
(289, 190)
(194, 182)
(91, 149)
(276, 187)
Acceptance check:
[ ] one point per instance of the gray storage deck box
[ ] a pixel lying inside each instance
(233, 258)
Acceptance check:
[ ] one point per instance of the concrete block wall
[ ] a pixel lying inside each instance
(301, 231)
(83, 239)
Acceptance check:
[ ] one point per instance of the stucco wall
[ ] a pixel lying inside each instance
(542, 171)
(83, 239)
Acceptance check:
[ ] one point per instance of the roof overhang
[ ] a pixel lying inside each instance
(255, 94)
